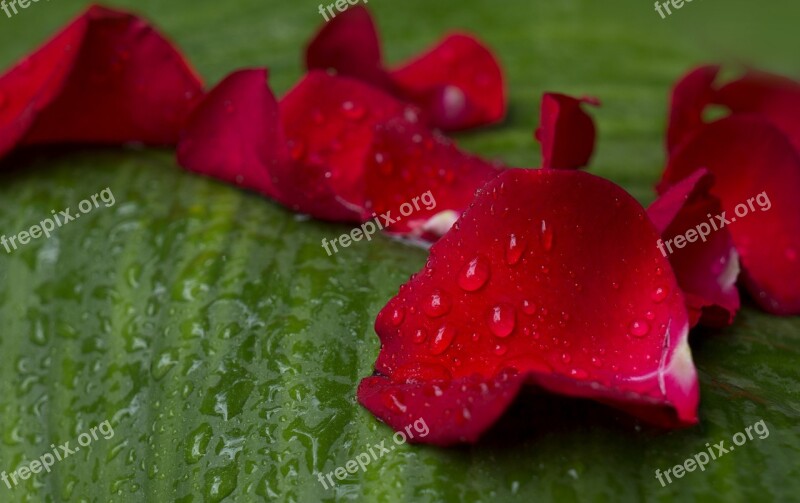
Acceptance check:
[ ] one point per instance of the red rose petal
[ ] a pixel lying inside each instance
(510, 287)
(706, 267)
(749, 156)
(422, 179)
(107, 77)
(330, 123)
(349, 44)
(567, 133)
(474, 404)
(459, 83)
(690, 97)
(772, 96)
(235, 134)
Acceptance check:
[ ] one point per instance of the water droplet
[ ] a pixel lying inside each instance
(516, 247)
(659, 294)
(566, 358)
(474, 274)
(639, 328)
(438, 304)
(597, 362)
(500, 349)
(420, 335)
(444, 337)
(547, 236)
(579, 374)
(502, 320)
(528, 307)
(353, 111)
(385, 165)
(476, 337)
(397, 316)
(650, 315)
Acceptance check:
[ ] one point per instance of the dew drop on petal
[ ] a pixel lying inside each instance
(547, 236)
(397, 316)
(442, 340)
(528, 307)
(353, 111)
(420, 335)
(438, 304)
(502, 320)
(659, 294)
(515, 249)
(639, 328)
(474, 274)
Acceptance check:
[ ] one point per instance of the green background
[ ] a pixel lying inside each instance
(225, 347)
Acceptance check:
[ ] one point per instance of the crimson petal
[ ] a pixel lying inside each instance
(458, 83)
(107, 77)
(349, 45)
(707, 266)
(422, 179)
(567, 133)
(329, 122)
(690, 97)
(234, 134)
(772, 96)
(757, 174)
(509, 289)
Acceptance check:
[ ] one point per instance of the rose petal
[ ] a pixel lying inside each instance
(567, 133)
(707, 267)
(510, 287)
(330, 122)
(474, 403)
(458, 83)
(107, 77)
(772, 96)
(421, 178)
(755, 165)
(690, 97)
(235, 134)
(349, 45)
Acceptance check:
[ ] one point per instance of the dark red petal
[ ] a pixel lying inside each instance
(510, 286)
(458, 83)
(107, 77)
(349, 44)
(454, 411)
(234, 134)
(753, 161)
(330, 123)
(690, 97)
(421, 178)
(567, 133)
(776, 98)
(707, 267)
